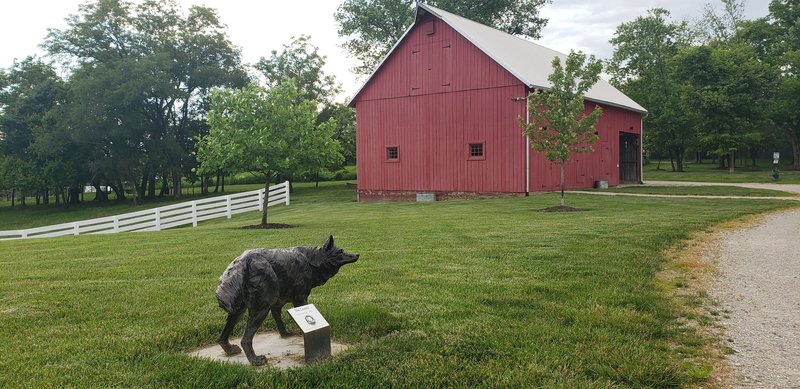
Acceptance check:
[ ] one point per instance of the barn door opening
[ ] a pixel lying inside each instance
(629, 168)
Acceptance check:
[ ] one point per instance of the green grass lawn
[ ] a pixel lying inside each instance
(700, 191)
(32, 215)
(708, 172)
(447, 294)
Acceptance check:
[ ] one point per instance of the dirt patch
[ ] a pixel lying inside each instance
(562, 208)
(268, 226)
(281, 353)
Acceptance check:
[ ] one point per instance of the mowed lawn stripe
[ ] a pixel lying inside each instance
(460, 293)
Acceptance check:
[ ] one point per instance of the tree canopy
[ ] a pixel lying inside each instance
(265, 131)
(141, 77)
(643, 66)
(373, 26)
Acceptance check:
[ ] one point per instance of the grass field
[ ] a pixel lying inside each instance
(708, 172)
(446, 294)
(700, 191)
(32, 215)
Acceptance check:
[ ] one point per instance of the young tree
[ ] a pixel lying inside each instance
(373, 26)
(264, 131)
(558, 121)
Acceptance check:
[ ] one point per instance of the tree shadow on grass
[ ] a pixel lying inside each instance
(562, 208)
(268, 226)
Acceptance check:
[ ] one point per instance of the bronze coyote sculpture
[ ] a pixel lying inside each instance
(263, 281)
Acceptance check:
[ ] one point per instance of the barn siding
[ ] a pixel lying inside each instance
(584, 170)
(435, 95)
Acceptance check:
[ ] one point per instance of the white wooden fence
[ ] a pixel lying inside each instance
(161, 218)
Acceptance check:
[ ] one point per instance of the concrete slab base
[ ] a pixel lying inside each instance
(282, 353)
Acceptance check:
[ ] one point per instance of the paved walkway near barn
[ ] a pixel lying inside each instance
(757, 290)
(794, 188)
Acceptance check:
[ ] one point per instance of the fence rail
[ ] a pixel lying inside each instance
(157, 219)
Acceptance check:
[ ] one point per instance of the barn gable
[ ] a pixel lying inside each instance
(529, 62)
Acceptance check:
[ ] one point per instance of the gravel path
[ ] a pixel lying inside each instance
(758, 289)
(784, 187)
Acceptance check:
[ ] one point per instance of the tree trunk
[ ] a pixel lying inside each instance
(316, 185)
(119, 189)
(216, 187)
(795, 153)
(698, 157)
(672, 161)
(266, 201)
(721, 162)
(658, 166)
(164, 186)
(47, 196)
(74, 195)
(13, 196)
(100, 194)
(731, 162)
(151, 190)
(679, 159)
(562, 184)
(223, 182)
(177, 187)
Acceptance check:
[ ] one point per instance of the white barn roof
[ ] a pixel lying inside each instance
(531, 63)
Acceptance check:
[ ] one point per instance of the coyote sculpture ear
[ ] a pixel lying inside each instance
(329, 244)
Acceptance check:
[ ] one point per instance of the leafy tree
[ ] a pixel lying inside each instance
(559, 124)
(156, 66)
(643, 67)
(32, 89)
(373, 26)
(301, 62)
(776, 39)
(345, 132)
(720, 25)
(723, 93)
(264, 131)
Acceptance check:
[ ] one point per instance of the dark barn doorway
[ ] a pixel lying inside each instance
(629, 168)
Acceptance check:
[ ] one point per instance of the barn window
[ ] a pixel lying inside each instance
(476, 151)
(392, 154)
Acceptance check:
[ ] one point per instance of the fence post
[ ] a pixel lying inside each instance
(158, 220)
(116, 224)
(228, 205)
(261, 200)
(24, 234)
(286, 187)
(76, 229)
(194, 214)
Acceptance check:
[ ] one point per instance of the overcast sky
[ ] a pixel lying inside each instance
(258, 27)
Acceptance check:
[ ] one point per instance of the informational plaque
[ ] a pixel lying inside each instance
(316, 332)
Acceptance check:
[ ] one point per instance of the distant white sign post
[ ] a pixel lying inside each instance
(776, 174)
(316, 332)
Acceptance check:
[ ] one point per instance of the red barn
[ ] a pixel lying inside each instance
(440, 115)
